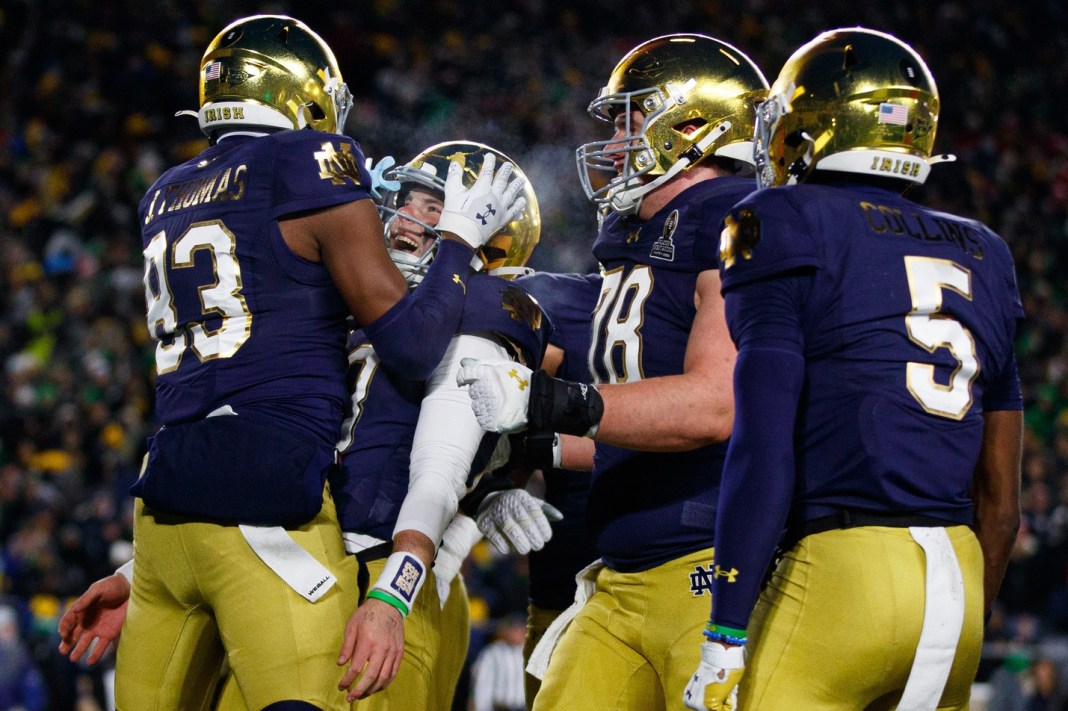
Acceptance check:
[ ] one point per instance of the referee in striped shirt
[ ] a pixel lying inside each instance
(497, 673)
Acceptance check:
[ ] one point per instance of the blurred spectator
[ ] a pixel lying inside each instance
(1007, 683)
(1048, 692)
(22, 686)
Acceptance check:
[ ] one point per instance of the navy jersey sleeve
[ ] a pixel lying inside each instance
(758, 474)
(505, 309)
(1002, 381)
(753, 247)
(316, 170)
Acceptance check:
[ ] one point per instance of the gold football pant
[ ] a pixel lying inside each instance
(199, 591)
(839, 623)
(636, 641)
(435, 646)
(538, 620)
(455, 637)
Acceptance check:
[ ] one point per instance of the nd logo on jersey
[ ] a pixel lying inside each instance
(338, 166)
(740, 235)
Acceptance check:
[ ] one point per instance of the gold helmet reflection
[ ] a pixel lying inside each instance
(271, 71)
(506, 253)
(852, 100)
(677, 82)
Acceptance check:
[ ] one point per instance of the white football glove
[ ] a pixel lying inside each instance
(500, 391)
(460, 536)
(515, 520)
(714, 686)
(378, 181)
(475, 214)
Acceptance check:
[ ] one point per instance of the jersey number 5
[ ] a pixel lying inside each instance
(221, 298)
(931, 330)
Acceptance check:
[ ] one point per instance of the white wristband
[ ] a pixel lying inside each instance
(126, 570)
(401, 579)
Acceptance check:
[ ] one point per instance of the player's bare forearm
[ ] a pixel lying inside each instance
(996, 495)
(576, 453)
(416, 543)
(673, 413)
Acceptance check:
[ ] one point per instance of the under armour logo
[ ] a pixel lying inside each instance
(513, 373)
(489, 211)
(731, 575)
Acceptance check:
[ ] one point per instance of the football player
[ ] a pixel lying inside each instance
(255, 252)
(395, 509)
(373, 480)
(878, 409)
(681, 155)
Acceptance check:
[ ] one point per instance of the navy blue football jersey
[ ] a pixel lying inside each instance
(569, 299)
(250, 359)
(376, 438)
(240, 319)
(647, 508)
(908, 327)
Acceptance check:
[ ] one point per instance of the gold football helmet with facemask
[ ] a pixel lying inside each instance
(270, 71)
(678, 82)
(505, 254)
(852, 100)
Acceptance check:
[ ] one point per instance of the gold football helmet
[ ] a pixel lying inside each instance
(271, 71)
(852, 100)
(506, 253)
(676, 81)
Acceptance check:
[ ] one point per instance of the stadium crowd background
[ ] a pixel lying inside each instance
(88, 95)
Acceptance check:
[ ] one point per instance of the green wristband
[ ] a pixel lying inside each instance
(389, 600)
(724, 629)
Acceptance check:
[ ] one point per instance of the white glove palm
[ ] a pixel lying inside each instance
(499, 390)
(475, 214)
(459, 537)
(714, 686)
(515, 520)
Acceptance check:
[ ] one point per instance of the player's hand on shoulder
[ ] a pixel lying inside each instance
(714, 686)
(499, 390)
(476, 213)
(371, 649)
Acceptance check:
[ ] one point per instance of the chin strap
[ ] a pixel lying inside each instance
(626, 202)
(942, 158)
